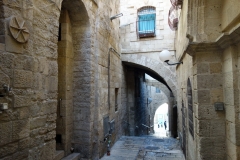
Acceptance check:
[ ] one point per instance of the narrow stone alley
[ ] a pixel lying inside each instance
(152, 147)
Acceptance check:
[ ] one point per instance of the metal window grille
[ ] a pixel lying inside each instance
(146, 22)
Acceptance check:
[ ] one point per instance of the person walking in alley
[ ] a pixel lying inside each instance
(165, 125)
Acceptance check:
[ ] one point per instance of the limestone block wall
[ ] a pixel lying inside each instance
(204, 69)
(130, 42)
(75, 69)
(184, 72)
(231, 99)
(108, 77)
(204, 20)
(209, 81)
(183, 29)
(31, 70)
(229, 14)
(214, 76)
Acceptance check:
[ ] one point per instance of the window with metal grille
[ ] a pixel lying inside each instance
(190, 108)
(146, 21)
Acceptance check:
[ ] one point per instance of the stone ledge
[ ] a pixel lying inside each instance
(59, 155)
(73, 156)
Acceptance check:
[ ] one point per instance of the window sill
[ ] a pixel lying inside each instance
(144, 35)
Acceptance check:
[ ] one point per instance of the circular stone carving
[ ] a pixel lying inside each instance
(18, 29)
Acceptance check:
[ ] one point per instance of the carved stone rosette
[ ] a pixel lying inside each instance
(18, 29)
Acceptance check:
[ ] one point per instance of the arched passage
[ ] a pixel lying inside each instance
(74, 68)
(161, 123)
(156, 69)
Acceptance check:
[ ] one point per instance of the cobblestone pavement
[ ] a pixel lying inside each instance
(145, 148)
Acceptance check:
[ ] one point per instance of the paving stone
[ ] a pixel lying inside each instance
(146, 148)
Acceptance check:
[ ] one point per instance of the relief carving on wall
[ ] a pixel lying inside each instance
(18, 29)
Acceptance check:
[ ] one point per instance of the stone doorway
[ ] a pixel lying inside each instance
(73, 73)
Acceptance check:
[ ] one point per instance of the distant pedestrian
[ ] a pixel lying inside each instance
(165, 125)
(158, 125)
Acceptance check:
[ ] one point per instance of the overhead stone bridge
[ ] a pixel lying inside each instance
(155, 68)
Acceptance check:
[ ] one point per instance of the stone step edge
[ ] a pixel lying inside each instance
(73, 156)
(59, 154)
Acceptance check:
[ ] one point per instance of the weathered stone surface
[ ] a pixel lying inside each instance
(203, 96)
(8, 149)
(24, 144)
(38, 122)
(22, 101)
(23, 79)
(21, 155)
(20, 129)
(6, 133)
(209, 81)
(12, 45)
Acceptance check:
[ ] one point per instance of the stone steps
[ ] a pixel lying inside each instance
(73, 156)
(59, 155)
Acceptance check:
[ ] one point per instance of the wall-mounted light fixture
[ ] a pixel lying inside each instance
(116, 16)
(165, 56)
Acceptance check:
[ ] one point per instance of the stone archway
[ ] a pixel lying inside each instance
(75, 61)
(158, 100)
(158, 67)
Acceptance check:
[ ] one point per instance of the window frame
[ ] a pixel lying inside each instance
(140, 11)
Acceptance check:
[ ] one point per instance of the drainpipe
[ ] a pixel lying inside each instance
(109, 63)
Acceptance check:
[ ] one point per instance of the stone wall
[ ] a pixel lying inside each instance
(80, 69)
(145, 51)
(229, 14)
(164, 38)
(210, 60)
(30, 69)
